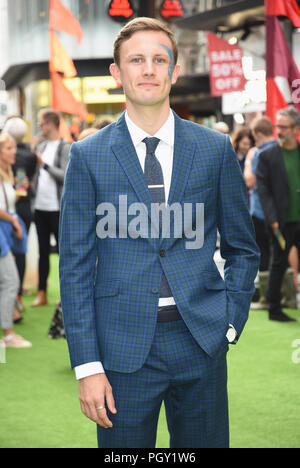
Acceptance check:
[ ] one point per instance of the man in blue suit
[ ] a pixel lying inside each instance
(147, 315)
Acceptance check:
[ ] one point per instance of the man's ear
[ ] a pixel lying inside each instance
(115, 73)
(176, 73)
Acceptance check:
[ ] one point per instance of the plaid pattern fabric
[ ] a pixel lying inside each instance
(192, 385)
(112, 318)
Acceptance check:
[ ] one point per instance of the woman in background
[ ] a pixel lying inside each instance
(9, 278)
(242, 141)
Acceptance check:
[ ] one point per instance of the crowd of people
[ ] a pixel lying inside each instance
(271, 168)
(31, 183)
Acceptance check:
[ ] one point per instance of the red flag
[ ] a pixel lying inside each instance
(275, 100)
(226, 69)
(288, 8)
(59, 59)
(63, 100)
(61, 19)
(282, 71)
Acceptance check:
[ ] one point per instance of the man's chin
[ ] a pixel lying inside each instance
(149, 101)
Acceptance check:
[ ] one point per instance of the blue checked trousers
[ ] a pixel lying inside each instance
(192, 385)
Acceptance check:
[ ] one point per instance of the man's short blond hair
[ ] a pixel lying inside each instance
(143, 24)
(262, 125)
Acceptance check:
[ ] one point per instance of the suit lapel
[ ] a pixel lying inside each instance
(184, 151)
(124, 151)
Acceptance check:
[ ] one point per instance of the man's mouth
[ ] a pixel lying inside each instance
(148, 85)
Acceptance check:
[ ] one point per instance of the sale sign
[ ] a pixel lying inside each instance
(226, 69)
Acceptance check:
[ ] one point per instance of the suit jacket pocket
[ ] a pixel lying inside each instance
(213, 281)
(198, 193)
(107, 288)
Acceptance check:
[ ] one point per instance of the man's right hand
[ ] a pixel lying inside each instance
(95, 391)
(275, 226)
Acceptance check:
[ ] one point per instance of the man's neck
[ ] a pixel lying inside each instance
(150, 119)
(53, 136)
(290, 146)
(266, 140)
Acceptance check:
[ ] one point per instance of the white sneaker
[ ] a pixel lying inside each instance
(16, 341)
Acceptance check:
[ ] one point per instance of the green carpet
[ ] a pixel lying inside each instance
(39, 405)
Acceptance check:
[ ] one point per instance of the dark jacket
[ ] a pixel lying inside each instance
(26, 161)
(272, 185)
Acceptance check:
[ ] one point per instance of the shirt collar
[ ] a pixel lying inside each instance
(269, 143)
(166, 133)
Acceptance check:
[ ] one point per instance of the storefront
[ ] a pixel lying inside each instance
(24, 66)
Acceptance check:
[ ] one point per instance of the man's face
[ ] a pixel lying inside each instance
(286, 131)
(45, 127)
(146, 68)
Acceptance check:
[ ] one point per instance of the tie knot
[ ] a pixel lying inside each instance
(151, 144)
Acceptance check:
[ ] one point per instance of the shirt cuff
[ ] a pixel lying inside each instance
(231, 334)
(91, 368)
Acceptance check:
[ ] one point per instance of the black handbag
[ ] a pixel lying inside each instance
(57, 329)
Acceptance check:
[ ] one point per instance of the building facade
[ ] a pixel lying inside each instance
(24, 56)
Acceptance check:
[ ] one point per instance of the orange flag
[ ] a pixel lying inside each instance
(61, 19)
(64, 131)
(63, 100)
(60, 61)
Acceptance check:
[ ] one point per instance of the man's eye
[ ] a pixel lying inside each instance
(160, 60)
(136, 60)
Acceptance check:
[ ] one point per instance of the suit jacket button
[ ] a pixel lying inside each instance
(155, 290)
(162, 253)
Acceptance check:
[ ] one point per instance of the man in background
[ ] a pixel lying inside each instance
(278, 183)
(53, 157)
(262, 129)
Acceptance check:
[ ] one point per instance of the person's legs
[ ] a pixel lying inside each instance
(54, 224)
(24, 211)
(294, 263)
(138, 397)
(263, 242)
(197, 402)
(9, 285)
(41, 220)
(279, 264)
(193, 386)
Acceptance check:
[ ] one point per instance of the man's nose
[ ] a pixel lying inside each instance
(148, 67)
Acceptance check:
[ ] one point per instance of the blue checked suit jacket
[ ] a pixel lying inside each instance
(110, 287)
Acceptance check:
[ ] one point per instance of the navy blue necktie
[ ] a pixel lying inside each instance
(155, 181)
